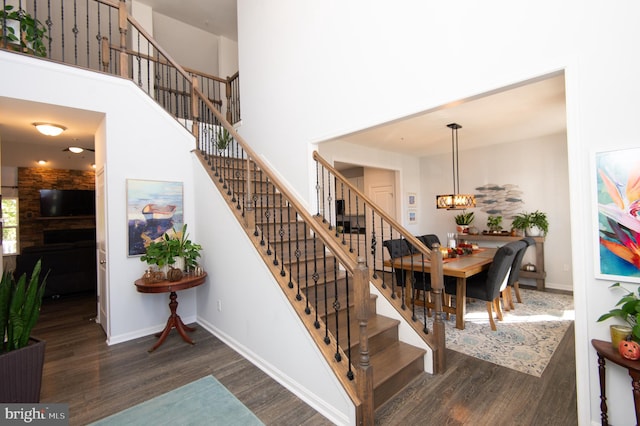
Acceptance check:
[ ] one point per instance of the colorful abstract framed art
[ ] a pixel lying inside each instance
(618, 214)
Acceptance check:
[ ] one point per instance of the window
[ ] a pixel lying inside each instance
(10, 225)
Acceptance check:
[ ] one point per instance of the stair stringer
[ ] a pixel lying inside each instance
(241, 284)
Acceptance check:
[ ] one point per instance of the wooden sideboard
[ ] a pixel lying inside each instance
(539, 275)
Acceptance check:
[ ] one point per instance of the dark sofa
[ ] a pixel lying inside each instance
(71, 266)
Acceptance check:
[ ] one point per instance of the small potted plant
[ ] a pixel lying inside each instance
(23, 31)
(174, 247)
(223, 139)
(463, 220)
(495, 224)
(532, 224)
(625, 337)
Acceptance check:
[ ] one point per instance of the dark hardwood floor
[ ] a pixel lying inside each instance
(97, 380)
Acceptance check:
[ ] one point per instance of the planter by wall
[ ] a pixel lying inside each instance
(21, 373)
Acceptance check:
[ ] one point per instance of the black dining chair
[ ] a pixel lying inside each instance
(488, 284)
(398, 248)
(514, 275)
(419, 281)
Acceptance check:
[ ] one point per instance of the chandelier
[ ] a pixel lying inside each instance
(455, 201)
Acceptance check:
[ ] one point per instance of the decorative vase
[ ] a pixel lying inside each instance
(462, 229)
(618, 334)
(533, 231)
(178, 263)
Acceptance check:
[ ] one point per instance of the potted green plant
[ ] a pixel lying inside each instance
(532, 224)
(23, 31)
(494, 223)
(627, 309)
(19, 351)
(463, 220)
(223, 139)
(174, 247)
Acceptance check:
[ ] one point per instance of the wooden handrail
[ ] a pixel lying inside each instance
(332, 243)
(405, 233)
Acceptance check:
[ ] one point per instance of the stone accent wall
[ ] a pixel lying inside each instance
(30, 182)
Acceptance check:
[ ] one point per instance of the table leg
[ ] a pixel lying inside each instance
(174, 321)
(461, 302)
(635, 383)
(603, 393)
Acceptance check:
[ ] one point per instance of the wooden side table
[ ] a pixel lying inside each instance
(605, 351)
(174, 321)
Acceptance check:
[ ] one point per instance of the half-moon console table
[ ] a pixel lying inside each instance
(174, 321)
(539, 275)
(606, 352)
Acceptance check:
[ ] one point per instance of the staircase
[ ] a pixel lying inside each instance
(313, 275)
(324, 281)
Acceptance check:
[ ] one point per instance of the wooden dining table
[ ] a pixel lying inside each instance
(461, 267)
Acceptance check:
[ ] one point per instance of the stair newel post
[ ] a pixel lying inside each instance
(194, 109)
(227, 89)
(122, 22)
(365, 373)
(437, 285)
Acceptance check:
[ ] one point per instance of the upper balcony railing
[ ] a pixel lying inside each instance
(101, 35)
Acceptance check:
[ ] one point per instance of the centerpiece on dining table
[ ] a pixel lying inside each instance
(462, 249)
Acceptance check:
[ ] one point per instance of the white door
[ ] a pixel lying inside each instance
(380, 188)
(101, 255)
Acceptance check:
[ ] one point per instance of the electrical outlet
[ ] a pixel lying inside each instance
(565, 267)
(219, 305)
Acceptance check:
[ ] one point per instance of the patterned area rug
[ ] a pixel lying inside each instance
(203, 402)
(525, 339)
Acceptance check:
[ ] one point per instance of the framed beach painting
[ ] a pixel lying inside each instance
(153, 208)
(618, 213)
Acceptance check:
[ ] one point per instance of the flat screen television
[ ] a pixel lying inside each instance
(67, 202)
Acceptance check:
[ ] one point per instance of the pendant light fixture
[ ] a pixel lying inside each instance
(455, 201)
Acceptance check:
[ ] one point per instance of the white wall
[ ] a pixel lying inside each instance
(381, 62)
(540, 170)
(141, 143)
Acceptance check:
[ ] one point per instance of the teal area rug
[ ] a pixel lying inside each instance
(525, 340)
(203, 402)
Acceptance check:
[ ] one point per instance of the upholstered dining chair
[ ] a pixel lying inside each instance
(398, 248)
(515, 274)
(419, 281)
(488, 284)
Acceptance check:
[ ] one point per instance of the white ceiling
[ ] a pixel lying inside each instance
(526, 111)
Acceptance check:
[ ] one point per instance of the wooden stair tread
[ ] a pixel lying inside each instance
(392, 359)
(376, 325)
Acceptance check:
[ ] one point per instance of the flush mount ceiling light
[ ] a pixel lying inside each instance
(42, 162)
(77, 149)
(455, 201)
(49, 129)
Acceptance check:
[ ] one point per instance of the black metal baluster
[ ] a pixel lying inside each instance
(275, 225)
(374, 243)
(255, 199)
(75, 32)
(305, 240)
(281, 232)
(336, 310)
(88, 32)
(290, 262)
(350, 374)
